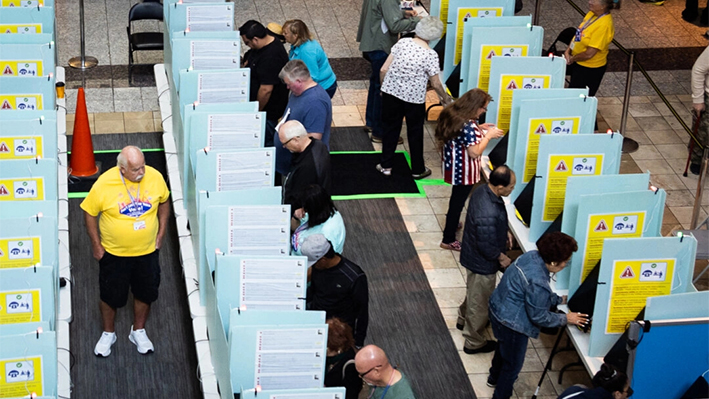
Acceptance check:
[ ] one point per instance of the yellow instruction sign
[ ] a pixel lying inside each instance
(560, 168)
(21, 147)
(22, 3)
(538, 127)
(21, 68)
(487, 51)
(31, 189)
(465, 13)
(509, 83)
(20, 306)
(20, 378)
(20, 28)
(21, 102)
(20, 252)
(633, 282)
(601, 227)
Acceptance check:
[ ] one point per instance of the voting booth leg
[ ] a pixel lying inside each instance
(548, 365)
(83, 163)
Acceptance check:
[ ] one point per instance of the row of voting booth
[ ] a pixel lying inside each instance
(568, 180)
(246, 293)
(34, 235)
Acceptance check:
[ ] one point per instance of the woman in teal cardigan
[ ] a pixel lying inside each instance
(304, 48)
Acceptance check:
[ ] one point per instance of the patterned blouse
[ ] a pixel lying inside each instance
(458, 167)
(408, 74)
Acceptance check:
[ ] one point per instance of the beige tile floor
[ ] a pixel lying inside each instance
(662, 152)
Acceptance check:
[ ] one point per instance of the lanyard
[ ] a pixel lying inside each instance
(133, 201)
(393, 373)
(590, 22)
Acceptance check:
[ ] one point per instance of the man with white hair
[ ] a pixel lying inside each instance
(310, 163)
(132, 201)
(308, 104)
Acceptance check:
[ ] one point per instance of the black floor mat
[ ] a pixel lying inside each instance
(356, 174)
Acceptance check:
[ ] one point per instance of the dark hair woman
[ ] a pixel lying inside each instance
(318, 216)
(462, 141)
(520, 305)
(340, 367)
(608, 383)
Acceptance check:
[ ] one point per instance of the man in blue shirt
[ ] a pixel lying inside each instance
(308, 104)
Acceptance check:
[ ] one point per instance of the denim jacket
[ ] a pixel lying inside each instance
(522, 300)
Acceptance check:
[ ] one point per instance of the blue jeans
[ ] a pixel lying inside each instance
(374, 100)
(508, 359)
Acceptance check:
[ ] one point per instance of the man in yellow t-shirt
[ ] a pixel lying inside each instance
(132, 201)
(588, 52)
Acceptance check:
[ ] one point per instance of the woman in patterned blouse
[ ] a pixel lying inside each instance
(462, 141)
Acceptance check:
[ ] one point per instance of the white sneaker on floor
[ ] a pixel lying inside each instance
(103, 346)
(141, 340)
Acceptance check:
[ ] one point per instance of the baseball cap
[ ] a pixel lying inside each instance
(315, 247)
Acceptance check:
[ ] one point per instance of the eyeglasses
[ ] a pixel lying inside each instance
(361, 375)
(286, 143)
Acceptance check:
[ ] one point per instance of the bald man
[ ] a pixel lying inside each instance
(132, 201)
(373, 366)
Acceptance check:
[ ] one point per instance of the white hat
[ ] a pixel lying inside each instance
(315, 247)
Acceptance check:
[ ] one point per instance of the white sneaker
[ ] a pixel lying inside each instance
(103, 346)
(141, 340)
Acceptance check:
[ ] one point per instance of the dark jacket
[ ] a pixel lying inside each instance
(341, 372)
(485, 234)
(342, 292)
(312, 166)
(577, 392)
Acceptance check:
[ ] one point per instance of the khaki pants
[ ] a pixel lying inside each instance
(473, 311)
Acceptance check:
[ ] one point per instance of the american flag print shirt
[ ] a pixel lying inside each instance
(458, 167)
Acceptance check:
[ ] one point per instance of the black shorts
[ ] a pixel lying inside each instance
(140, 273)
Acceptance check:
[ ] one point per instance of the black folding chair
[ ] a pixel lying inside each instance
(140, 41)
(565, 37)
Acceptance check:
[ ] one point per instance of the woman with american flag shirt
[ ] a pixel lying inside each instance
(462, 141)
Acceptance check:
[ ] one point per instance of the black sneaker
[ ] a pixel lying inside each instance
(487, 348)
(425, 173)
(490, 382)
(694, 168)
(376, 139)
(460, 326)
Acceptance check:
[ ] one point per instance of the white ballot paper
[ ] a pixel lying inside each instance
(290, 358)
(242, 170)
(227, 87)
(333, 395)
(210, 18)
(272, 284)
(212, 54)
(259, 230)
(233, 131)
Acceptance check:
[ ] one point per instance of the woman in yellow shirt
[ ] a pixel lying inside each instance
(587, 54)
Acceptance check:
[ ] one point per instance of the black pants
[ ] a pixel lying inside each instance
(582, 76)
(455, 206)
(393, 112)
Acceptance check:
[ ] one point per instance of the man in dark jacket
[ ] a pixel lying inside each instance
(485, 241)
(310, 163)
(337, 286)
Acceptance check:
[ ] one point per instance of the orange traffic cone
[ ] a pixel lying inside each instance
(82, 162)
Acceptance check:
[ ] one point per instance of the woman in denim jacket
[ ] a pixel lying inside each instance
(521, 304)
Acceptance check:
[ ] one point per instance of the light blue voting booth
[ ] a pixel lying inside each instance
(200, 17)
(35, 19)
(27, 93)
(633, 270)
(602, 217)
(507, 41)
(29, 364)
(259, 283)
(458, 10)
(201, 51)
(290, 345)
(182, 129)
(521, 95)
(23, 328)
(321, 393)
(26, 59)
(25, 136)
(578, 186)
(29, 180)
(508, 74)
(214, 86)
(678, 306)
(222, 200)
(29, 209)
(562, 156)
(670, 357)
(233, 170)
(28, 242)
(469, 61)
(28, 295)
(542, 117)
